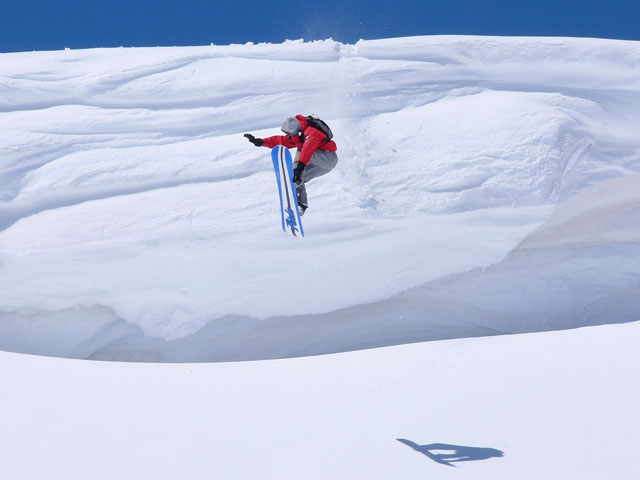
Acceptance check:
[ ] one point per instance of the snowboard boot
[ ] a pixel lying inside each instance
(301, 195)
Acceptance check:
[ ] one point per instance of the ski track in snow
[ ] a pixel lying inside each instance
(137, 224)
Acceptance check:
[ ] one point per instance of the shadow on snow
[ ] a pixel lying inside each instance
(446, 454)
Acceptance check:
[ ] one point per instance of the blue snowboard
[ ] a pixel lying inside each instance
(289, 209)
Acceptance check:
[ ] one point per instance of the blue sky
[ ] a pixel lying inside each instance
(56, 24)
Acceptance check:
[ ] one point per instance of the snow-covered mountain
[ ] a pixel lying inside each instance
(485, 186)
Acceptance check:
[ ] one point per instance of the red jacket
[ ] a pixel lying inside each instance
(313, 140)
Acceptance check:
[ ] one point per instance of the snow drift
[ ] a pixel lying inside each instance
(485, 186)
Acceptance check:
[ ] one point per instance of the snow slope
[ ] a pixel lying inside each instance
(548, 405)
(485, 186)
(137, 223)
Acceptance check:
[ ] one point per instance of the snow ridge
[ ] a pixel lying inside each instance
(493, 180)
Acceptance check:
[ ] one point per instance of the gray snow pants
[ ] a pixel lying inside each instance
(321, 162)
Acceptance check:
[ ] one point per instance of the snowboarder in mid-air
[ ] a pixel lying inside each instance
(316, 151)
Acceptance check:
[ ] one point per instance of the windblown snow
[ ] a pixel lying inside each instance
(484, 186)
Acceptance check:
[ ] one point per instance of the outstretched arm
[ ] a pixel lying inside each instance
(271, 142)
(276, 140)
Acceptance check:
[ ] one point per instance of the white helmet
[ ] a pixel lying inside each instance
(291, 126)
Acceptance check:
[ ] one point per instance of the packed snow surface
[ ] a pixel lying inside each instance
(484, 186)
(557, 405)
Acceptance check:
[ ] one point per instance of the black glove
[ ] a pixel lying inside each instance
(297, 172)
(256, 141)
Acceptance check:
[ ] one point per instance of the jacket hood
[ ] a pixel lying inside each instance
(302, 121)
